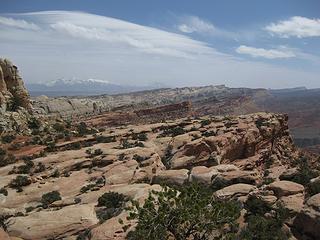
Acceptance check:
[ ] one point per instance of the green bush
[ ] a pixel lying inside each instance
(205, 122)
(58, 127)
(34, 123)
(140, 137)
(190, 213)
(74, 146)
(8, 138)
(84, 235)
(305, 174)
(261, 227)
(105, 139)
(4, 191)
(20, 181)
(171, 131)
(125, 144)
(112, 200)
(313, 188)
(110, 204)
(50, 197)
(167, 156)
(7, 159)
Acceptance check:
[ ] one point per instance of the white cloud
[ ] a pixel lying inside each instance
(265, 53)
(195, 24)
(296, 27)
(91, 46)
(16, 23)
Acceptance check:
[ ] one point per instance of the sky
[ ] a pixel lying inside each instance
(248, 43)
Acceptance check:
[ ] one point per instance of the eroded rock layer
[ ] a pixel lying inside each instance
(236, 153)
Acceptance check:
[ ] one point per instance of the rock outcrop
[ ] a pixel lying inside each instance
(220, 99)
(13, 94)
(237, 156)
(15, 106)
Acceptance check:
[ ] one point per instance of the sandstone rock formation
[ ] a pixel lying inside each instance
(13, 94)
(211, 99)
(15, 104)
(238, 156)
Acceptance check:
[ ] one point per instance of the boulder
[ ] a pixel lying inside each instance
(53, 224)
(203, 174)
(234, 191)
(285, 188)
(307, 222)
(293, 203)
(178, 177)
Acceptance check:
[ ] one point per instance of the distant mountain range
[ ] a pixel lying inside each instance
(77, 87)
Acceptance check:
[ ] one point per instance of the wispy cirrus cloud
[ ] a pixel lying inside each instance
(71, 26)
(17, 23)
(296, 26)
(88, 46)
(264, 53)
(193, 24)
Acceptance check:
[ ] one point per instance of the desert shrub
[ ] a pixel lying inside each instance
(15, 102)
(111, 204)
(260, 122)
(105, 139)
(256, 206)
(29, 209)
(259, 226)
(112, 200)
(121, 156)
(50, 197)
(167, 156)
(7, 159)
(87, 188)
(171, 131)
(268, 162)
(3, 223)
(83, 129)
(4, 191)
(306, 173)
(20, 181)
(3, 152)
(190, 213)
(74, 146)
(7, 138)
(34, 123)
(177, 131)
(205, 122)
(313, 188)
(125, 144)
(84, 235)
(138, 158)
(40, 168)
(140, 137)
(51, 146)
(58, 127)
(56, 173)
(97, 152)
(24, 168)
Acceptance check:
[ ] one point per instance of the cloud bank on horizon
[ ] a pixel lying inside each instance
(50, 45)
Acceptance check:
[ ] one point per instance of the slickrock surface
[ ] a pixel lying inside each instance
(230, 152)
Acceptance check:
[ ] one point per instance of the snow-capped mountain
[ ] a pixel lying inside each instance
(75, 86)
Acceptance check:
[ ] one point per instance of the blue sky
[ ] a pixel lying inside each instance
(271, 44)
